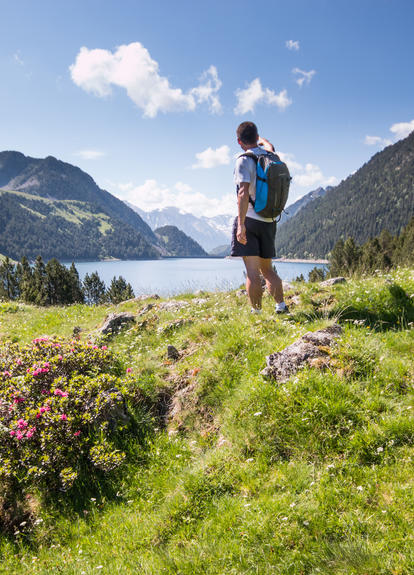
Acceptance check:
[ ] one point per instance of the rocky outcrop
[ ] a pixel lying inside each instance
(115, 322)
(283, 364)
(333, 281)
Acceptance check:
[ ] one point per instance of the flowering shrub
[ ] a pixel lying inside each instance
(59, 406)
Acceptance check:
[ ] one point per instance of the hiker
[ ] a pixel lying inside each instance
(253, 236)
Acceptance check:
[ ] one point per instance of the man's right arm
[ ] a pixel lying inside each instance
(242, 205)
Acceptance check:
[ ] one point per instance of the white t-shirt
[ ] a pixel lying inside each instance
(245, 171)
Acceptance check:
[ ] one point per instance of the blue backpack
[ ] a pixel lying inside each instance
(272, 184)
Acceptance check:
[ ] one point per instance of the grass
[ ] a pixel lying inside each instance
(248, 476)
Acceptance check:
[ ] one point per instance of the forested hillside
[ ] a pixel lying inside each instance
(379, 196)
(177, 243)
(65, 229)
(54, 209)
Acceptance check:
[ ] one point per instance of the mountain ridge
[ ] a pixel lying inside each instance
(378, 196)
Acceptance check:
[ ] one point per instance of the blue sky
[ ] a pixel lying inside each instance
(146, 96)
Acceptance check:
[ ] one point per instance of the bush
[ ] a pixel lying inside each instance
(60, 404)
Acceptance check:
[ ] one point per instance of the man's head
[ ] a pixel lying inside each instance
(247, 134)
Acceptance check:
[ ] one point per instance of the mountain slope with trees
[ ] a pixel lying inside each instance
(380, 195)
(65, 229)
(54, 209)
(178, 244)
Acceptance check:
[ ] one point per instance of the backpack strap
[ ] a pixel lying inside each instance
(254, 157)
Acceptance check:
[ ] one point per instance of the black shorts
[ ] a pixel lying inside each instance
(260, 239)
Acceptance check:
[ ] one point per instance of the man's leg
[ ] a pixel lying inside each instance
(273, 281)
(253, 283)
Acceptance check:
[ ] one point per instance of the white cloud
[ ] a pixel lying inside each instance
(292, 45)
(89, 154)
(403, 129)
(304, 77)
(18, 59)
(152, 195)
(400, 130)
(376, 141)
(131, 67)
(308, 175)
(255, 94)
(211, 158)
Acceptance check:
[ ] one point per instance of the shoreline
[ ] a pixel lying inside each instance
(300, 261)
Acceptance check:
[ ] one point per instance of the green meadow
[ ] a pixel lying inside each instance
(227, 472)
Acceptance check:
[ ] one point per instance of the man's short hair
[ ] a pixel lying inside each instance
(247, 133)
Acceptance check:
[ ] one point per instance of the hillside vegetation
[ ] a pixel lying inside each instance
(219, 470)
(379, 196)
(54, 209)
(177, 243)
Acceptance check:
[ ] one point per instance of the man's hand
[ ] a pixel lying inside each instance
(241, 234)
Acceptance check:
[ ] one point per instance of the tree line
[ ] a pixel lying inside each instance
(55, 284)
(382, 252)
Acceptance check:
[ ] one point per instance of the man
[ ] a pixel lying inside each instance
(253, 235)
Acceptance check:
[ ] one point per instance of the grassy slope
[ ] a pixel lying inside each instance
(312, 476)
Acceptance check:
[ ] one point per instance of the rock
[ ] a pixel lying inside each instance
(333, 281)
(116, 321)
(283, 364)
(287, 286)
(146, 309)
(76, 332)
(173, 305)
(295, 300)
(172, 352)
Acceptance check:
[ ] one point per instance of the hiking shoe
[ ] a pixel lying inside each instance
(281, 307)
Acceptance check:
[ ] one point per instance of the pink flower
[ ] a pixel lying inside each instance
(21, 424)
(45, 392)
(129, 369)
(77, 433)
(104, 347)
(30, 433)
(20, 435)
(60, 357)
(64, 417)
(12, 432)
(19, 361)
(7, 374)
(95, 347)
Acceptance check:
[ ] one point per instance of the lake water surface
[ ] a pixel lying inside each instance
(174, 276)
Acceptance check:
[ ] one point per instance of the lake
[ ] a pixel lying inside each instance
(174, 276)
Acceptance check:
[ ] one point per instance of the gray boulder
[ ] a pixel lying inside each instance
(115, 322)
(333, 281)
(283, 364)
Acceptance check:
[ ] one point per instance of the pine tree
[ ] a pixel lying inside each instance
(40, 282)
(93, 289)
(337, 259)
(119, 290)
(8, 280)
(75, 285)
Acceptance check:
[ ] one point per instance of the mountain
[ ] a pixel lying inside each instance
(52, 208)
(178, 244)
(380, 195)
(293, 209)
(208, 232)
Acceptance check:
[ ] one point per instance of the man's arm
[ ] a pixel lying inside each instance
(269, 147)
(242, 205)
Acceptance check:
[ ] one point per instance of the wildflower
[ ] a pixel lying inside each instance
(7, 374)
(77, 433)
(64, 417)
(129, 369)
(12, 432)
(104, 347)
(19, 435)
(257, 413)
(30, 433)
(380, 449)
(21, 424)
(360, 488)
